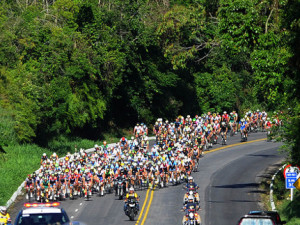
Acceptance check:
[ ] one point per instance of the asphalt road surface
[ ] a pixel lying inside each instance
(228, 178)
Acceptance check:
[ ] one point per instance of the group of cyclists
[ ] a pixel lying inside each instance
(134, 164)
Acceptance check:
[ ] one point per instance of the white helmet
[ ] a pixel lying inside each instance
(131, 189)
(3, 210)
(190, 197)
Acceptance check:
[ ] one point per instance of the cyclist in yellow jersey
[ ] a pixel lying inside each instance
(4, 216)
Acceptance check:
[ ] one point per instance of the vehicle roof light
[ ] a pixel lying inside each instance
(52, 204)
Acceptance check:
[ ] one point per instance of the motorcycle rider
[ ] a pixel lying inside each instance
(191, 183)
(120, 177)
(4, 216)
(131, 194)
(188, 207)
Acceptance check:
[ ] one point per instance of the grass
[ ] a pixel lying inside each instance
(290, 210)
(15, 164)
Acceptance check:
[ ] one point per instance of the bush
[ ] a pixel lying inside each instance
(279, 186)
(290, 210)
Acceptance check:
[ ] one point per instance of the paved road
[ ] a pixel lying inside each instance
(228, 180)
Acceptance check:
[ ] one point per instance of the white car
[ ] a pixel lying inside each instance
(43, 214)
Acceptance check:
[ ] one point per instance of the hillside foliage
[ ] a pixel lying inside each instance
(81, 66)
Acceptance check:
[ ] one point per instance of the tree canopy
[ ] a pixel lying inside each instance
(84, 64)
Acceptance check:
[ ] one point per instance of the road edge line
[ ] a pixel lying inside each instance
(271, 188)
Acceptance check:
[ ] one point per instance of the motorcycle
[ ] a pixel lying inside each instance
(189, 218)
(120, 188)
(132, 210)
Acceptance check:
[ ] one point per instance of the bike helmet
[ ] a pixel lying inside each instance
(131, 189)
(191, 178)
(190, 198)
(3, 210)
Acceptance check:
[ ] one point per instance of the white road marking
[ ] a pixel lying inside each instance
(76, 210)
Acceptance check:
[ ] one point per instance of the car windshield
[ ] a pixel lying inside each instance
(43, 219)
(256, 221)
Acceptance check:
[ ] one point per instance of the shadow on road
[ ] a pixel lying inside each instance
(246, 185)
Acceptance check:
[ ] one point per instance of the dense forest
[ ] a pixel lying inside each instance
(82, 66)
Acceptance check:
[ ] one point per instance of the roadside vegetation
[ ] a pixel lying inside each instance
(289, 210)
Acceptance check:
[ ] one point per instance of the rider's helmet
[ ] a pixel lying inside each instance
(29, 176)
(3, 210)
(172, 159)
(131, 190)
(191, 179)
(224, 112)
(123, 138)
(44, 154)
(223, 123)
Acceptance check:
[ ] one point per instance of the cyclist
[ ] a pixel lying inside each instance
(44, 158)
(29, 184)
(224, 130)
(4, 216)
(123, 143)
(232, 123)
(172, 170)
(225, 117)
(243, 127)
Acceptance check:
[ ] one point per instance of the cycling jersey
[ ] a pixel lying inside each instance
(29, 182)
(243, 125)
(172, 166)
(72, 179)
